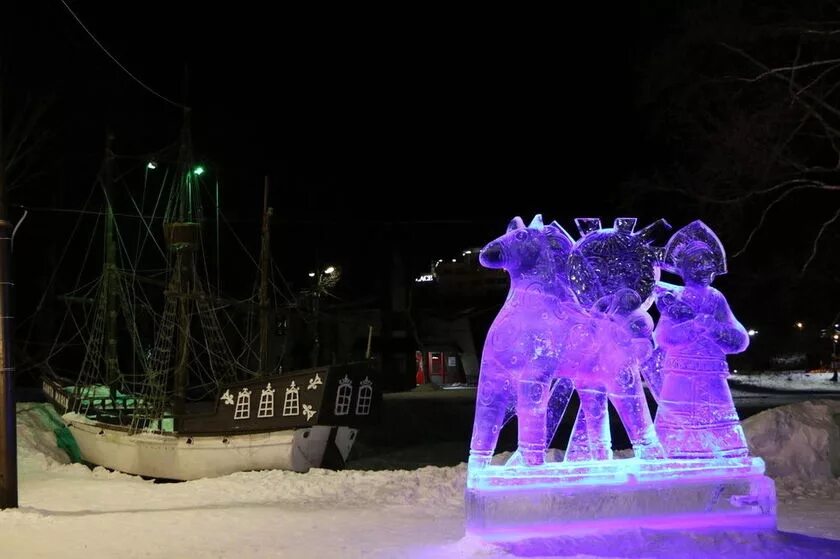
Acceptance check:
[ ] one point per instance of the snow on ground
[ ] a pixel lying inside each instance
(800, 444)
(800, 440)
(805, 381)
(69, 511)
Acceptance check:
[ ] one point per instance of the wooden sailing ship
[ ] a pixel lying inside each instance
(189, 408)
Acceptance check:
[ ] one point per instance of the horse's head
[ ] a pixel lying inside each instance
(538, 250)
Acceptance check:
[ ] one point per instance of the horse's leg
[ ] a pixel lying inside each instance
(628, 397)
(592, 427)
(495, 398)
(558, 402)
(577, 448)
(531, 406)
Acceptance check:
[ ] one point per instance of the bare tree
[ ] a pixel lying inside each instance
(747, 106)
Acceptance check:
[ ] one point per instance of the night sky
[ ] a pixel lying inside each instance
(431, 127)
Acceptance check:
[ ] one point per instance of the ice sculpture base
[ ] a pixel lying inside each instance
(563, 499)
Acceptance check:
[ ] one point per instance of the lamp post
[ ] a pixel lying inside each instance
(800, 327)
(324, 279)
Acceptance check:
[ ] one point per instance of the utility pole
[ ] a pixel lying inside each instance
(8, 417)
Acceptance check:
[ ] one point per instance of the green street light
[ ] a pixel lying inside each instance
(199, 170)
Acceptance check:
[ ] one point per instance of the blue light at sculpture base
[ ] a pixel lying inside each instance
(578, 499)
(576, 320)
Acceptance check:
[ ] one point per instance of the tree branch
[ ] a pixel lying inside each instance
(764, 213)
(815, 246)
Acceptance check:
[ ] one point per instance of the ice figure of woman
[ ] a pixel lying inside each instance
(525, 346)
(696, 330)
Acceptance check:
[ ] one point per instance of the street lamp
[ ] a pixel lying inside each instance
(752, 332)
(311, 274)
(329, 270)
(800, 325)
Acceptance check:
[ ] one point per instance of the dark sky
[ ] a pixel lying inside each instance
(459, 117)
(438, 106)
(445, 123)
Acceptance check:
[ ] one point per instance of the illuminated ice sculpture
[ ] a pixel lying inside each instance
(696, 329)
(575, 320)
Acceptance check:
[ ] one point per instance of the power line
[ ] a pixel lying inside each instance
(117, 62)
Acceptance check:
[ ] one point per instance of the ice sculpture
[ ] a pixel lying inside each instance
(613, 272)
(576, 319)
(525, 347)
(697, 417)
(543, 333)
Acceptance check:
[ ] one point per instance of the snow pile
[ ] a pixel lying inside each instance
(800, 440)
(799, 381)
(38, 429)
(72, 512)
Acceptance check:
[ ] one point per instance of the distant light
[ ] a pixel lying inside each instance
(734, 370)
(467, 252)
(425, 278)
(198, 170)
(151, 165)
(454, 260)
(330, 270)
(836, 337)
(799, 325)
(752, 332)
(837, 325)
(311, 274)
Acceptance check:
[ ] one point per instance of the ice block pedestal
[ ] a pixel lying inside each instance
(562, 499)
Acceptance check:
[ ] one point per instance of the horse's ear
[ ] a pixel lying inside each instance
(515, 223)
(537, 223)
(557, 230)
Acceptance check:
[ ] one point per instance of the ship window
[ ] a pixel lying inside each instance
(266, 402)
(243, 404)
(291, 403)
(365, 397)
(343, 396)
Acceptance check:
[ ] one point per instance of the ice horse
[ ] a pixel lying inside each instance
(612, 272)
(527, 344)
(576, 316)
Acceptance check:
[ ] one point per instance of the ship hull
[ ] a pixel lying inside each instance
(311, 423)
(180, 457)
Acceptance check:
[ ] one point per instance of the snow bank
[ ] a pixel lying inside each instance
(800, 440)
(72, 512)
(788, 381)
(36, 432)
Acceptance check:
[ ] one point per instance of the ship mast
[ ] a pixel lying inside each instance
(183, 237)
(110, 275)
(265, 260)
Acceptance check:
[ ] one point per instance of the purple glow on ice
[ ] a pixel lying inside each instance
(576, 319)
(575, 312)
(697, 417)
(712, 522)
